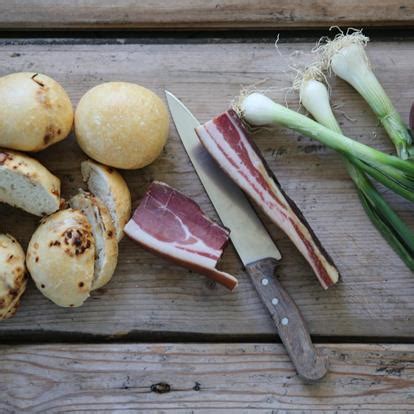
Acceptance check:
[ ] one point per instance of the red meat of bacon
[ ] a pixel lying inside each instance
(171, 225)
(228, 142)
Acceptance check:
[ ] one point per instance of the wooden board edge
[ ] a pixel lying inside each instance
(202, 15)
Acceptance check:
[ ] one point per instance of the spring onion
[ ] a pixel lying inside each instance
(315, 98)
(393, 172)
(346, 56)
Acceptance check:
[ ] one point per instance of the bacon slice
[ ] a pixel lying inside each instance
(228, 142)
(172, 225)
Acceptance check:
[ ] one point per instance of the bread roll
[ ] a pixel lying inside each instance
(60, 257)
(103, 230)
(13, 277)
(35, 111)
(27, 184)
(121, 124)
(109, 186)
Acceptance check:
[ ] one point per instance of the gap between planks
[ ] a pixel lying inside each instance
(126, 37)
(134, 337)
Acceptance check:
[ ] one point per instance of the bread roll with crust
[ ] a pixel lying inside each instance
(103, 230)
(13, 276)
(60, 257)
(35, 111)
(27, 184)
(121, 124)
(109, 186)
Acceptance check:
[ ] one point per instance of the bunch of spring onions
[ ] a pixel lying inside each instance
(345, 56)
(397, 174)
(314, 97)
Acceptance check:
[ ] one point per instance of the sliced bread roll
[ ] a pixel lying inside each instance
(27, 184)
(108, 185)
(60, 257)
(13, 277)
(103, 231)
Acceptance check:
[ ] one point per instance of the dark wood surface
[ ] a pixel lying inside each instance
(150, 300)
(203, 14)
(148, 296)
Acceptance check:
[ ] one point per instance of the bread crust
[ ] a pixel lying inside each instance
(35, 111)
(17, 163)
(102, 229)
(116, 197)
(60, 257)
(13, 275)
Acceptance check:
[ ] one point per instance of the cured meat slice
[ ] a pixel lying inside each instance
(228, 142)
(172, 225)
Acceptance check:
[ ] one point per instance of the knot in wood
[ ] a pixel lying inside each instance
(161, 388)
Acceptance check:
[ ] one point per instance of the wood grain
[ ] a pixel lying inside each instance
(376, 294)
(201, 14)
(202, 378)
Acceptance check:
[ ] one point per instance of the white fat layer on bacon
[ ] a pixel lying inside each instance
(175, 251)
(277, 213)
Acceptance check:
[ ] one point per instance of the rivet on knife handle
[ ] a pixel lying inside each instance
(288, 320)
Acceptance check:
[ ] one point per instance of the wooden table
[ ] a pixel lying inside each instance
(162, 339)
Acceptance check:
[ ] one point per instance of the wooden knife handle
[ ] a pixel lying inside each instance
(288, 320)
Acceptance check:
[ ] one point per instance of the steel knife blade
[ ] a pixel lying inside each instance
(255, 247)
(229, 201)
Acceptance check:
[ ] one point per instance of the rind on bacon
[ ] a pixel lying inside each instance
(228, 142)
(171, 225)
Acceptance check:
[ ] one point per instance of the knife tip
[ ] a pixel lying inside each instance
(168, 94)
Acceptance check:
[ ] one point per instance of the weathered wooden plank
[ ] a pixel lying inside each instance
(208, 378)
(201, 14)
(376, 295)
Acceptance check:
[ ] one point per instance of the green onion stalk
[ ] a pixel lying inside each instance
(314, 97)
(345, 56)
(258, 110)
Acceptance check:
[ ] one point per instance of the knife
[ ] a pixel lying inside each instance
(253, 244)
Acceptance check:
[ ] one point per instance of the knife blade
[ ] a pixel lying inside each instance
(251, 240)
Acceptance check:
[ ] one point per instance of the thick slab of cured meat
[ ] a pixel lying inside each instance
(226, 139)
(170, 224)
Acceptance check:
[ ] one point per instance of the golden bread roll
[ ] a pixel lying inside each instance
(121, 124)
(13, 277)
(61, 256)
(35, 111)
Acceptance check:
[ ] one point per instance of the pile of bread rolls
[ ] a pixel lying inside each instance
(74, 250)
